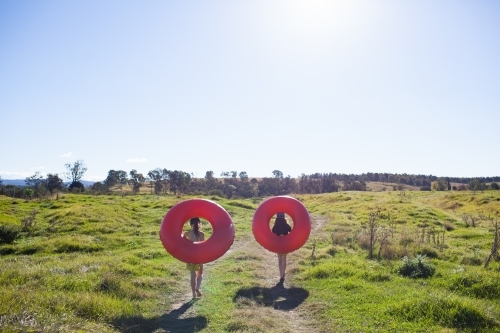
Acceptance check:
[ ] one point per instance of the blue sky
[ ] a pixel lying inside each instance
(298, 86)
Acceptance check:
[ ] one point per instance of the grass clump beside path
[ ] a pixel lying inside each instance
(94, 263)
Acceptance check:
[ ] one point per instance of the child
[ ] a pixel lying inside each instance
(195, 235)
(281, 228)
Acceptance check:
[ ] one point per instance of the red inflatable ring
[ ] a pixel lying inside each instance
(281, 244)
(197, 252)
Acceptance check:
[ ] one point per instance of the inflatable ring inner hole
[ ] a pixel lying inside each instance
(205, 226)
(288, 220)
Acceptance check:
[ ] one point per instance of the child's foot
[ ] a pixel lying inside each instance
(282, 280)
(194, 296)
(198, 293)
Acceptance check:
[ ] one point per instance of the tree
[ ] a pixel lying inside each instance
(494, 186)
(34, 180)
(99, 187)
(179, 181)
(36, 183)
(476, 185)
(156, 176)
(277, 174)
(496, 243)
(75, 172)
(210, 181)
(137, 180)
(122, 178)
(54, 182)
(28, 192)
(243, 175)
(440, 185)
(112, 178)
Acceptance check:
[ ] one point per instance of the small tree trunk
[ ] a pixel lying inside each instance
(494, 248)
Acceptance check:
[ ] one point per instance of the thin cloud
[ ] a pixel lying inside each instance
(66, 155)
(38, 168)
(137, 160)
(15, 174)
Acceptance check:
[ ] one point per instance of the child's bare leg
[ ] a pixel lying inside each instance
(283, 266)
(280, 265)
(199, 278)
(193, 283)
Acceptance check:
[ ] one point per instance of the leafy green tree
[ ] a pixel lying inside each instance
(75, 172)
(244, 187)
(350, 185)
(37, 183)
(156, 176)
(34, 180)
(277, 174)
(476, 185)
(122, 178)
(54, 182)
(210, 181)
(494, 186)
(440, 185)
(137, 180)
(112, 179)
(28, 192)
(179, 181)
(99, 187)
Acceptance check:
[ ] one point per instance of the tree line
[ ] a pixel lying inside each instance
(232, 184)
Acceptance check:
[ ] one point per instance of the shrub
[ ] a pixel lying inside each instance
(425, 188)
(76, 187)
(428, 252)
(9, 233)
(417, 267)
(448, 226)
(476, 284)
(7, 249)
(472, 261)
(218, 193)
(448, 311)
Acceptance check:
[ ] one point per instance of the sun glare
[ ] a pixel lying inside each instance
(314, 23)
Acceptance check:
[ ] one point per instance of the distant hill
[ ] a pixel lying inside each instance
(21, 182)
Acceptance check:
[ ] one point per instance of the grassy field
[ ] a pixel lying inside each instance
(83, 263)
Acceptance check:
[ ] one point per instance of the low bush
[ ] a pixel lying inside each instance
(472, 261)
(218, 193)
(9, 233)
(475, 284)
(448, 311)
(428, 252)
(417, 267)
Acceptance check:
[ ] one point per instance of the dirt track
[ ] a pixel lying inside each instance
(281, 301)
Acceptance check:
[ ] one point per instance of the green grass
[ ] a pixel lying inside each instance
(94, 263)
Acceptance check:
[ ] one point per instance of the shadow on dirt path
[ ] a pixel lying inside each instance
(169, 322)
(279, 297)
